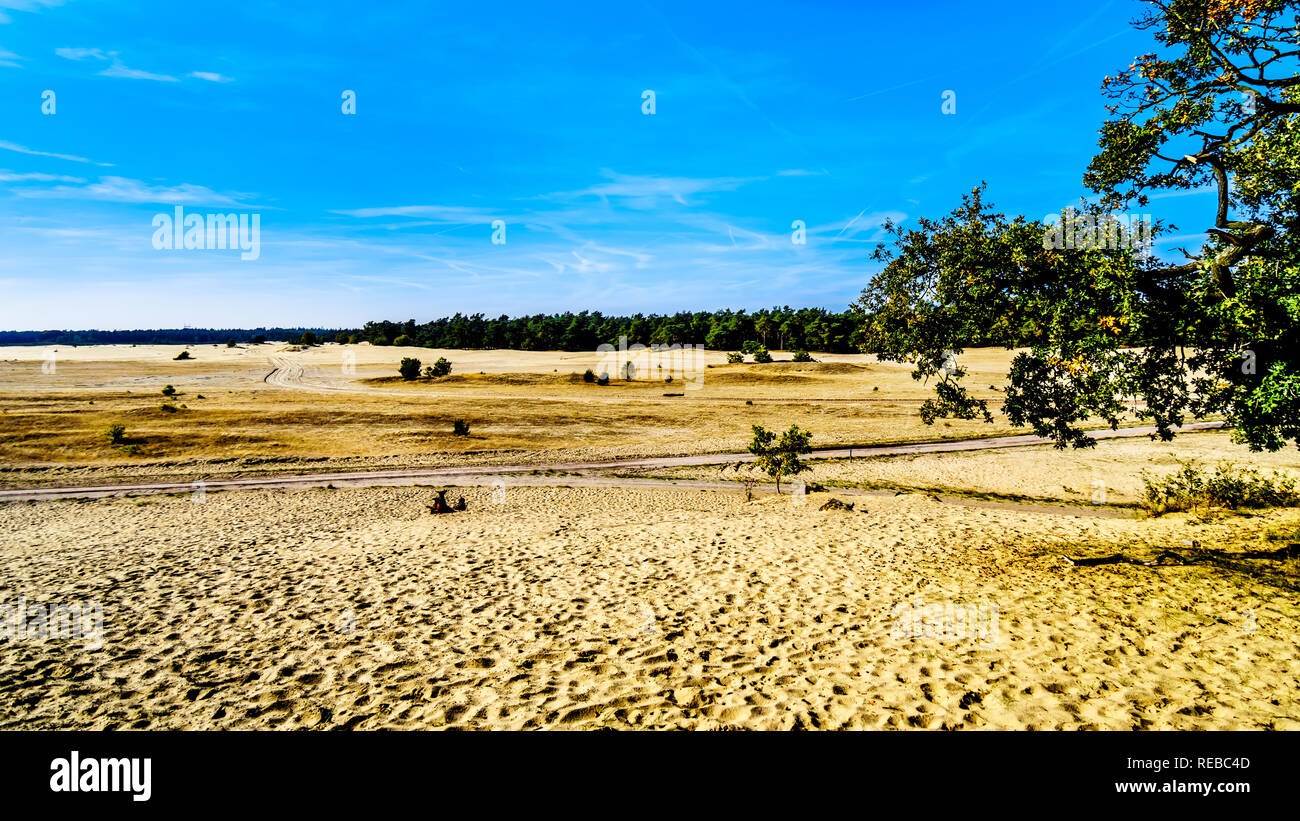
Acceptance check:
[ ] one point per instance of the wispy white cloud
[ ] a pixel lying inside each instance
(24, 5)
(118, 69)
(440, 214)
(648, 191)
(9, 59)
(125, 190)
(10, 176)
(1189, 192)
(22, 149)
(82, 53)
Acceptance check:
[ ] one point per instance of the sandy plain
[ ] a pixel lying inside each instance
(647, 606)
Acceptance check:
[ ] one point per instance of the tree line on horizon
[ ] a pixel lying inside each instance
(778, 328)
(161, 336)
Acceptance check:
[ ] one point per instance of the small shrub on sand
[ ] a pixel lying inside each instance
(779, 458)
(762, 357)
(802, 356)
(115, 433)
(183, 355)
(735, 358)
(589, 376)
(1229, 486)
(410, 368)
(460, 427)
(442, 367)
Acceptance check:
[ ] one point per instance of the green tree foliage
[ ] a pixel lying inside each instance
(308, 339)
(409, 368)
(442, 367)
(779, 458)
(115, 433)
(762, 356)
(1112, 330)
(808, 328)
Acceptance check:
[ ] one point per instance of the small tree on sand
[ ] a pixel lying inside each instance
(409, 369)
(779, 458)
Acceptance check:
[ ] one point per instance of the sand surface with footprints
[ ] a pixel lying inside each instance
(606, 607)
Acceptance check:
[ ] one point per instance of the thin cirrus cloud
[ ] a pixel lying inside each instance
(441, 214)
(126, 190)
(22, 149)
(9, 59)
(121, 70)
(81, 53)
(24, 5)
(118, 69)
(647, 191)
(10, 176)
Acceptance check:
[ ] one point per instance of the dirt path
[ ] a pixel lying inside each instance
(532, 474)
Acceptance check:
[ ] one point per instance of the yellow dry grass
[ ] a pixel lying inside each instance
(348, 403)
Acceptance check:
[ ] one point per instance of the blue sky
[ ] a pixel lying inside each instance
(765, 113)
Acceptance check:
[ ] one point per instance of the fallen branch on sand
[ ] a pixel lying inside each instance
(1163, 558)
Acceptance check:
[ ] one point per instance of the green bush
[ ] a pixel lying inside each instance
(230, 343)
(802, 356)
(751, 346)
(460, 427)
(308, 339)
(735, 358)
(182, 356)
(115, 433)
(168, 390)
(342, 338)
(589, 376)
(409, 369)
(603, 379)
(442, 367)
(167, 407)
(1229, 486)
(762, 356)
(403, 341)
(780, 457)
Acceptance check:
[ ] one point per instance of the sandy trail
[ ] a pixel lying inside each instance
(484, 474)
